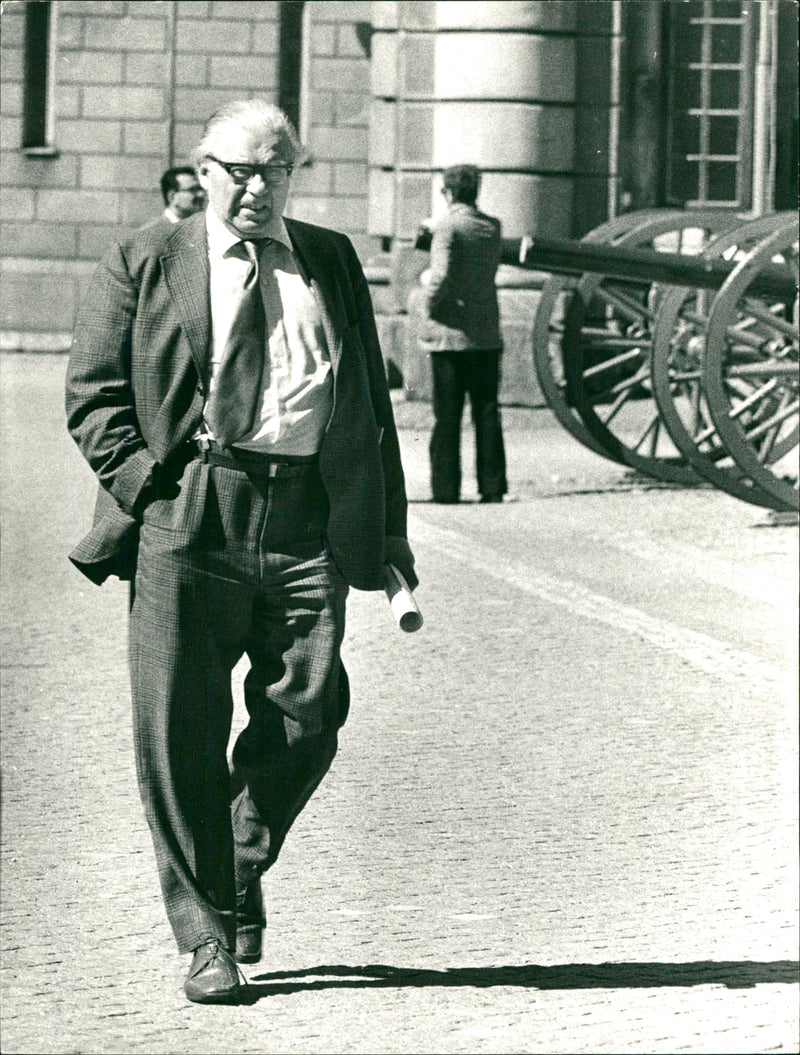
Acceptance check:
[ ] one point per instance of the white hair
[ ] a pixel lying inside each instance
(252, 116)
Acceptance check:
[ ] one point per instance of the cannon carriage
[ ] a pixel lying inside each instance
(667, 340)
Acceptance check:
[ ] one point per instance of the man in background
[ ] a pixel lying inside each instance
(183, 196)
(461, 332)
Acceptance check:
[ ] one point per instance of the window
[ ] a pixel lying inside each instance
(290, 61)
(709, 103)
(37, 117)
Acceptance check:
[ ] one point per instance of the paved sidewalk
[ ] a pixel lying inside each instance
(563, 817)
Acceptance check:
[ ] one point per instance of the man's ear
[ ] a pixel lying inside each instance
(202, 176)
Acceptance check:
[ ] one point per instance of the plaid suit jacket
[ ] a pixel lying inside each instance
(136, 388)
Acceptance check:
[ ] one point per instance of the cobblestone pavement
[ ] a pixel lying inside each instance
(563, 817)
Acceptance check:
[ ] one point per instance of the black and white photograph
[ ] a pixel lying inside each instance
(399, 493)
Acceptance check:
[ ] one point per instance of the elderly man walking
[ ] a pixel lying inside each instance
(227, 387)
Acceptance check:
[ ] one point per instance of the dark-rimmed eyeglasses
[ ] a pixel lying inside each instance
(241, 173)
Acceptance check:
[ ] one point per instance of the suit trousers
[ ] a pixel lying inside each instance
(232, 564)
(455, 375)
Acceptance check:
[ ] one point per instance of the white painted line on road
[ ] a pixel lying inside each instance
(702, 651)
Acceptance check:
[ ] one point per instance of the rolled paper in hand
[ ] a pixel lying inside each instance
(401, 600)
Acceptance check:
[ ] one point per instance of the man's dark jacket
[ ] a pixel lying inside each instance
(460, 298)
(136, 389)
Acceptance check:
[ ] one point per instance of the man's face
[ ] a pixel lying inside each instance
(246, 208)
(188, 198)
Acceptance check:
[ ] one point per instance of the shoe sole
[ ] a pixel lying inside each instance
(225, 996)
(248, 957)
(248, 944)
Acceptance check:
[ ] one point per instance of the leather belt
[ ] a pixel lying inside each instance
(211, 453)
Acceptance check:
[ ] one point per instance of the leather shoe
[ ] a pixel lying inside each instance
(213, 977)
(250, 923)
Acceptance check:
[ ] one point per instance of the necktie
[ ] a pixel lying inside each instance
(237, 387)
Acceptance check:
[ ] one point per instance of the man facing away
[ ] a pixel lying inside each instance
(227, 387)
(182, 193)
(462, 334)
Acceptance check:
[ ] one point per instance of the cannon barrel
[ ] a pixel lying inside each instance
(566, 257)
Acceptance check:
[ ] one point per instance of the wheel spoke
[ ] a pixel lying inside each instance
(741, 341)
(622, 390)
(696, 404)
(754, 397)
(766, 368)
(609, 364)
(776, 420)
(652, 428)
(626, 305)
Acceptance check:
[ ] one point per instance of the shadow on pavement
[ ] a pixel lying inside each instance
(732, 974)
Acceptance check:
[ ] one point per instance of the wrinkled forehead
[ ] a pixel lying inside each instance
(237, 144)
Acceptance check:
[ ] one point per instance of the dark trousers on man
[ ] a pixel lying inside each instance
(234, 565)
(456, 375)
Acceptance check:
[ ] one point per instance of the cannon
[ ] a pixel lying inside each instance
(668, 341)
(676, 370)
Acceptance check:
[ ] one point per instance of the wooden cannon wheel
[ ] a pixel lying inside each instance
(676, 359)
(606, 349)
(548, 330)
(750, 370)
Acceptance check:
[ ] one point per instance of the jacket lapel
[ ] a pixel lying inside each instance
(186, 273)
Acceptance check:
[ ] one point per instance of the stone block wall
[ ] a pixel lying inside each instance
(331, 189)
(134, 84)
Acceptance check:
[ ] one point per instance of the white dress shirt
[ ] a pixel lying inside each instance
(297, 384)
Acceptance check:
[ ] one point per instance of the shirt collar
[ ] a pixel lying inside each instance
(220, 238)
(170, 215)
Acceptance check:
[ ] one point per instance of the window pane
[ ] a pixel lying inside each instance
(726, 44)
(721, 181)
(723, 135)
(727, 9)
(683, 181)
(724, 94)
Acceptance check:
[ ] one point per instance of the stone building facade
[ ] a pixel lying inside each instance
(131, 84)
(573, 109)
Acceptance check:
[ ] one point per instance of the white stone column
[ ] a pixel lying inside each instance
(520, 89)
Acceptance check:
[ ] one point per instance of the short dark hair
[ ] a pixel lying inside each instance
(169, 180)
(463, 182)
